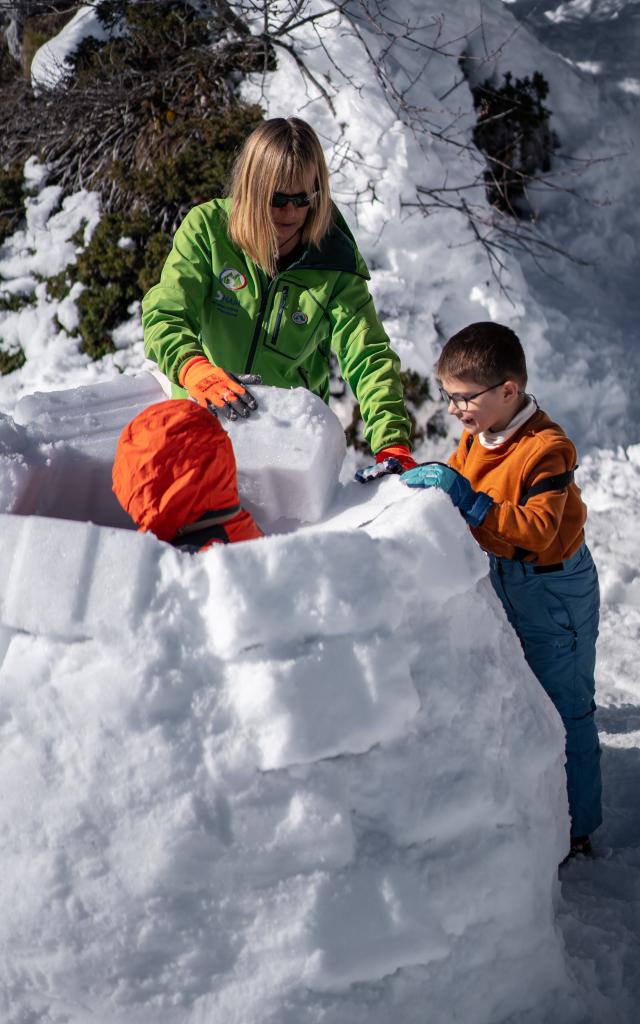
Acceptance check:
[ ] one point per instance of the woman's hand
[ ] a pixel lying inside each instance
(393, 459)
(213, 387)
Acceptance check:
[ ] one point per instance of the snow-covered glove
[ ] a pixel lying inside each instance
(473, 505)
(213, 387)
(394, 459)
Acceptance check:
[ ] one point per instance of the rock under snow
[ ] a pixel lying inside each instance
(49, 66)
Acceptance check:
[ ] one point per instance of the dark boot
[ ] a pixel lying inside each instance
(580, 847)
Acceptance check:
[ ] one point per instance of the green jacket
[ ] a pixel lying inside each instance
(213, 300)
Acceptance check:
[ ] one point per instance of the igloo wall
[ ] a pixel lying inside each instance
(303, 778)
(288, 453)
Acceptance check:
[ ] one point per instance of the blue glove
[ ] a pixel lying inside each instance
(473, 505)
(369, 473)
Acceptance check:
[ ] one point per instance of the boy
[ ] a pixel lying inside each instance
(511, 477)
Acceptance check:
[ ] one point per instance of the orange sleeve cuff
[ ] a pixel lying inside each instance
(189, 365)
(401, 452)
(394, 449)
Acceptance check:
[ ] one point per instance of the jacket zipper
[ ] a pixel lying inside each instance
(276, 329)
(256, 334)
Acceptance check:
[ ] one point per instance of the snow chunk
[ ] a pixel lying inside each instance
(289, 453)
(336, 697)
(79, 428)
(18, 458)
(320, 580)
(90, 571)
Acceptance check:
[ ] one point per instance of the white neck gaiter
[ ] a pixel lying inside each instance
(493, 439)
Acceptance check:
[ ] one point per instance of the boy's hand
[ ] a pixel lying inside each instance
(212, 386)
(473, 505)
(394, 458)
(431, 474)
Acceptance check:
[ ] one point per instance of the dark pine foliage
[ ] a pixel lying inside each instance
(150, 118)
(426, 421)
(514, 133)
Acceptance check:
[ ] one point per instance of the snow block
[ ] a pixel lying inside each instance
(69, 579)
(288, 453)
(19, 459)
(379, 919)
(79, 430)
(299, 597)
(301, 709)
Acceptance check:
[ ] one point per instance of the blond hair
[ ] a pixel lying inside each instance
(278, 153)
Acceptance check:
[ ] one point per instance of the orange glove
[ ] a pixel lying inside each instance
(214, 388)
(401, 452)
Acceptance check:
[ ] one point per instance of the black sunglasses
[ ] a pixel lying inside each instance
(280, 199)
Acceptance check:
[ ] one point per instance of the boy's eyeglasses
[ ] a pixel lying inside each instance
(280, 199)
(461, 402)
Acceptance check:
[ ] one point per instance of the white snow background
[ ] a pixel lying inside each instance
(310, 779)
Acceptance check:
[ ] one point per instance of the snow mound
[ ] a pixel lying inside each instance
(266, 784)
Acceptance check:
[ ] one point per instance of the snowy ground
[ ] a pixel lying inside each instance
(600, 306)
(579, 327)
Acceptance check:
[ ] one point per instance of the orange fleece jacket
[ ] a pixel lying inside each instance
(550, 526)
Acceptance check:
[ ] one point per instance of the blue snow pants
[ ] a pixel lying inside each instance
(555, 615)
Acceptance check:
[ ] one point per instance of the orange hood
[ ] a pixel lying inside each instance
(174, 463)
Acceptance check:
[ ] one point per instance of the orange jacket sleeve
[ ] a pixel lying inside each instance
(550, 525)
(533, 526)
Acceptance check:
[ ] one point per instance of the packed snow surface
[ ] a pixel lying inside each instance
(250, 780)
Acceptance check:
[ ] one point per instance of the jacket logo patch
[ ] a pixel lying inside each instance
(227, 304)
(232, 279)
(299, 317)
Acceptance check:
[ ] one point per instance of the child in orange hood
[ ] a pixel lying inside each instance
(511, 477)
(175, 474)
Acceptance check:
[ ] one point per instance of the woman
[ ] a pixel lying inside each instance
(263, 284)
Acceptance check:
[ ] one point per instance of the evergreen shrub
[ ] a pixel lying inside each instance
(417, 396)
(58, 286)
(10, 361)
(11, 198)
(123, 258)
(151, 119)
(13, 302)
(514, 133)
